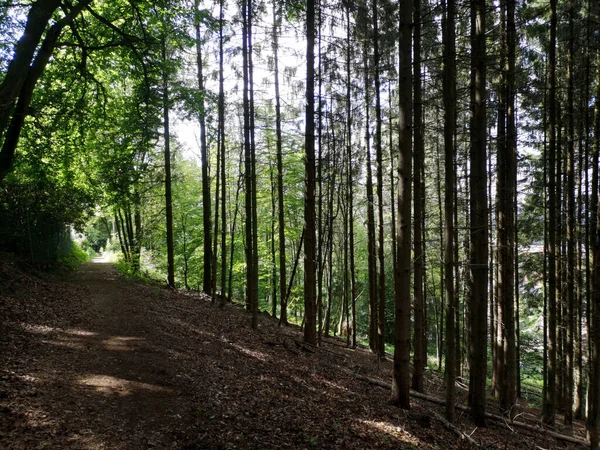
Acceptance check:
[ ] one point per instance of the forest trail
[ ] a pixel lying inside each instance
(107, 379)
(95, 361)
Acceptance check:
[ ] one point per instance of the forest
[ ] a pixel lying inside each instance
(419, 177)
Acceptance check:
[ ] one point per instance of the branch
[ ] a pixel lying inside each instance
(40, 62)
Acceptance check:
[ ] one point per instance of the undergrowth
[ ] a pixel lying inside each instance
(75, 257)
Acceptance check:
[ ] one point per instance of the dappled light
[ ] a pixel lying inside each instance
(120, 343)
(395, 431)
(108, 385)
(251, 353)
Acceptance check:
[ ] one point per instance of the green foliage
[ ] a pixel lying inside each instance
(74, 258)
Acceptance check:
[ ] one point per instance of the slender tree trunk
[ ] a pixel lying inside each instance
(549, 404)
(221, 152)
(505, 226)
(560, 266)
(215, 250)
(371, 242)
(420, 355)
(167, 155)
(320, 243)
(392, 187)
(578, 336)
(279, 144)
(273, 256)
(350, 179)
(479, 217)
(235, 214)
(206, 198)
(442, 303)
(254, 209)
(594, 392)
(251, 272)
(310, 331)
(449, 86)
(379, 162)
(402, 295)
(511, 342)
(570, 198)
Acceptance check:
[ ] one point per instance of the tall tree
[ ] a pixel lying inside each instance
(31, 55)
(449, 203)
(570, 311)
(479, 216)
(249, 179)
(350, 178)
(420, 357)
(167, 156)
(594, 391)
(506, 370)
(379, 160)
(206, 199)
(221, 140)
(371, 241)
(279, 145)
(549, 405)
(401, 375)
(310, 288)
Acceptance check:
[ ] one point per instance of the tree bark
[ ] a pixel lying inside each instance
(549, 404)
(206, 199)
(449, 86)
(479, 216)
(310, 331)
(379, 162)
(402, 295)
(420, 355)
(279, 144)
(167, 155)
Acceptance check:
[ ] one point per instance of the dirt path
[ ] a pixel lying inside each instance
(108, 379)
(94, 361)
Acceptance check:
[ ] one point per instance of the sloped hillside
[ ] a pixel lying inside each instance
(94, 361)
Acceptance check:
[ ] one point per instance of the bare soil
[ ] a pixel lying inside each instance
(92, 360)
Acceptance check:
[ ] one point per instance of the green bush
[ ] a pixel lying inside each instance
(74, 258)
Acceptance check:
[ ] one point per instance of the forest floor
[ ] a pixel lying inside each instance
(91, 360)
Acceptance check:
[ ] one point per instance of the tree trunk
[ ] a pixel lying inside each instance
(279, 144)
(350, 179)
(310, 331)
(206, 198)
(24, 70)
(371, 242)
(167, 154)
(379, 162)
(221, 152)
(251, 272)
(570, 198)
(402, 295)
(549, 404)
(449, 86)
(420, 356)
(479, 217)
(594, 392)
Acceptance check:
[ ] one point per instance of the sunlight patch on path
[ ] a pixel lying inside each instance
(101, 259)
(120, 343)
(117, 386)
